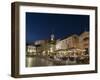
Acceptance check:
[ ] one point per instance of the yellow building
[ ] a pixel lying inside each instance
(68, 43)
(84, 40)
(73, 41)
(71, 44)
(74, 44)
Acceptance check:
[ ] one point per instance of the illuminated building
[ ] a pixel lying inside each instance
(68, 43)
(72, 44)
(84, 40)
(31, 49)
(52, 43)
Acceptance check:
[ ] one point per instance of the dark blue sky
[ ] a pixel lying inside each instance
(39, 26)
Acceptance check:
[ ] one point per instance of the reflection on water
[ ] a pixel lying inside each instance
(33, 61)
(37, 61)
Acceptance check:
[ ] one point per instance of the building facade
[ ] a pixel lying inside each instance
(40, 46)
(68, 43)
(84, 40)
(72, 44)
(31, 50)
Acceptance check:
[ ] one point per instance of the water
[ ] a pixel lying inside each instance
(37, 61)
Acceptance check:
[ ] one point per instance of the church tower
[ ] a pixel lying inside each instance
(52, 43)
(52, 37)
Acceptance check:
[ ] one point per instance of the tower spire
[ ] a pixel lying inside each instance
(52, 35)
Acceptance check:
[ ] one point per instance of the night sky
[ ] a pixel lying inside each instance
(40, 26)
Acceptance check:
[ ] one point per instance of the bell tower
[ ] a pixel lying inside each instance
(52, 37)
(52, 42)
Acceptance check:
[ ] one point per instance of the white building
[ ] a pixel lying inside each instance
(61, 44)
(31, 49)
